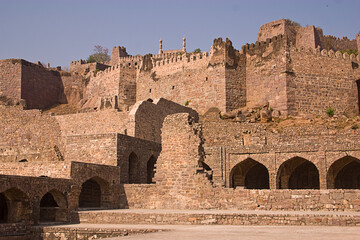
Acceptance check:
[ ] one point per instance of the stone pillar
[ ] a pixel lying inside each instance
(358, 41)
(160, 47)
(184, 44)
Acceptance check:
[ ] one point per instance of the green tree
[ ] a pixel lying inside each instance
(198, 50)
(100, 55)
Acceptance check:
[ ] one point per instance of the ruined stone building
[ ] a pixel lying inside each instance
(271, 126)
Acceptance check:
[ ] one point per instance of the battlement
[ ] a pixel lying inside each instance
(78, 62)
(176, 59)
(261, 44)
(330, 54)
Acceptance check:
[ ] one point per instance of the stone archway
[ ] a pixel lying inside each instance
(53, 207)
(95, 193)
(151, 169)
(17, 205)
(249, 174)
(344, 174)
(90, 195)
(298, 173)
(3, 209)
(133, 168)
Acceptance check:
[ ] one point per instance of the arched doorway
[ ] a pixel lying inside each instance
(151, 169)
(133, 168)
(344, 173)
(3, 209)
(53, 207)
(17, 207)
(90, 195)
(298, 173)
(249, 174)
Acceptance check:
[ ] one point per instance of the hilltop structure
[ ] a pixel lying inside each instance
(181, 130)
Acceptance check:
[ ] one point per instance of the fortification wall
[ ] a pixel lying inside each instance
(278, 27)
(91, 123)
(10, 78)
(29, 135)
(117, 81)
(197, 81)
(73, 88)
(322, 79)
(307, 37)
(329, 42)
(40, 87)
(83, 67)
(266, 66)
(146, 118)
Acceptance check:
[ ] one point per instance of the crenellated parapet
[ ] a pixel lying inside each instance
(329, 54)
(173, 59)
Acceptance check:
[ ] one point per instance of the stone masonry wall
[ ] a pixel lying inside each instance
(266, 66)
(29, 135)
(181, 183)
(10, 78)
(318, 80)
(109, 121)
(40, 87)
(197, 81)
(146, 118)
(115, 81)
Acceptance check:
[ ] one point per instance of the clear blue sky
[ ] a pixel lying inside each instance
(58, 31)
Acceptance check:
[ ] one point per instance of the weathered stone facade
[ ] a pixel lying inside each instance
(179, 130)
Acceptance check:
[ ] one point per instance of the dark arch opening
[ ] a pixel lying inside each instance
(90, 195)
(150, 100)
(250, 174)
(298, 173)
(133, 168)
(23, 160)
(151, 169)
(344, 173)
(3, 209)
(48, 208)
(18, 206)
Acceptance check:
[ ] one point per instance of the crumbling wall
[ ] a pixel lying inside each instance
(146, 118)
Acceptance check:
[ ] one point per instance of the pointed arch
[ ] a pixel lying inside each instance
(53, 207)
(298, 173)
(18, 205)
(344, 173)
(95, 193)
(249, 174)
(151, 166)
(133, 168)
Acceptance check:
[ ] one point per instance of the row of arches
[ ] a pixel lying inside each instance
(134, 171)
(15, 204)
(297, 173)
